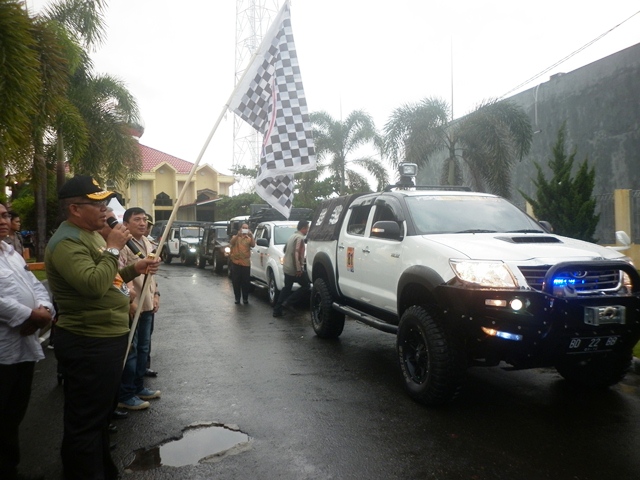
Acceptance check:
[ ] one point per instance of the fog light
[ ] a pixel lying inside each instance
(506, 335)
(516, 304)
(494, 302)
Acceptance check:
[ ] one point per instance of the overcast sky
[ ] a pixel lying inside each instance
(178, 58)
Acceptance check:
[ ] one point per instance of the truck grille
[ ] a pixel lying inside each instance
(585, 283)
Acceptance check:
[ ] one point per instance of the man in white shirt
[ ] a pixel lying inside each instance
(25, 308)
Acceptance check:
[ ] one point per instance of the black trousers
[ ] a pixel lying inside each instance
(292, 298)
(15, 390)
(241, 280)
(93, 368)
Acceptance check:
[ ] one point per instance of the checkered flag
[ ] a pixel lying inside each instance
(271, 99)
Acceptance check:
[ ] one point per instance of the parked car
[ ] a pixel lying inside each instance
(268, 255)
(183, 242)
(214, 247)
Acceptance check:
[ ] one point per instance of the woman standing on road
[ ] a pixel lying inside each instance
(241, 244)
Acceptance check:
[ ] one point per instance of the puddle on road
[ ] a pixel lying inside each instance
(201, 443)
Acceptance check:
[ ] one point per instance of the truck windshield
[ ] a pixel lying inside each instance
(221, 233)
(468, 214)
(282, 234)
(190, 232)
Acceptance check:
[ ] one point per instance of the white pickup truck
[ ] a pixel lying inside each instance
(468, 279)
(267, 256)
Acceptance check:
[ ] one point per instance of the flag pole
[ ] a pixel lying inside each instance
(143, 294)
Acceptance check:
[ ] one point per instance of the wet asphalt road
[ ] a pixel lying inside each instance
(317, 409)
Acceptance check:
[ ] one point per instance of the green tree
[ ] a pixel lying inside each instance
(20, 87)
(235, 206)
(486, 141)
(566, 202)
(54, 48)
(56, 108)
(336, 140)
(94, 130)
(108, 112)
(310, 189)
(242, 171)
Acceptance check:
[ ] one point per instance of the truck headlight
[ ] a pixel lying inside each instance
(484, 273)
(192, 250)
(227, 250)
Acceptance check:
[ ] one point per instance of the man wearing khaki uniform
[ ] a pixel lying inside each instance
(133, 393)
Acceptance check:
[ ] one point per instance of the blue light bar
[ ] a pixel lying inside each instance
(509, 336)
(561, 282)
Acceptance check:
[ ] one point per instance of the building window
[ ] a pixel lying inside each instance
(163, 200)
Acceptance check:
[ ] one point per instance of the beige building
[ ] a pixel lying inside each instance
(162, 179)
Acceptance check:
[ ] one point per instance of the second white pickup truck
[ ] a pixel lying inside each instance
(267, 256)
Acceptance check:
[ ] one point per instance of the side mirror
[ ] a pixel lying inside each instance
(262, 242)
(386, 229)
(623, 238)
(546, 226)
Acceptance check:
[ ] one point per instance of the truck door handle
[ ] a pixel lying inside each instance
(341, 247)
(366, 250)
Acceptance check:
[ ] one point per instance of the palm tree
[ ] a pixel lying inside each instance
(82, 19)
(335, 140)
(56, 53)
(20, 87)
(58, 106)
(94, 132)
(486, 141)
(108, 111)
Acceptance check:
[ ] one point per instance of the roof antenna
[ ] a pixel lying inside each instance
(451, 50)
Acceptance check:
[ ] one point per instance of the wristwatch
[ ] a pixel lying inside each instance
(113, 251)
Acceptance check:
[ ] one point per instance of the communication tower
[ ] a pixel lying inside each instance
(253, 18)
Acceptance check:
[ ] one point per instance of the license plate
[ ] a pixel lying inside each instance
(592, 344)
(604, 315)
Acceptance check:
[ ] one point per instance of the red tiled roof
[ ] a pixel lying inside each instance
(151, 158)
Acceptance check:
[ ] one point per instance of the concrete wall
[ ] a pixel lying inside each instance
(600, 103)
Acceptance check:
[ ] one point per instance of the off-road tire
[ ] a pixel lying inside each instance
(272, 288)
(218, 265)
(185, 258)
(166, 257)
(326, 322)
(596, 371)
(432, 363)
(201, 261)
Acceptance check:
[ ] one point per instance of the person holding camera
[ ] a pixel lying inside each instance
(240, 256)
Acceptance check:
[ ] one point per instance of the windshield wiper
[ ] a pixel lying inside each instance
(525, 230)
(477, 231)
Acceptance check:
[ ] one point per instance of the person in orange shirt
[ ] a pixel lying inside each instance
(240, 256)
